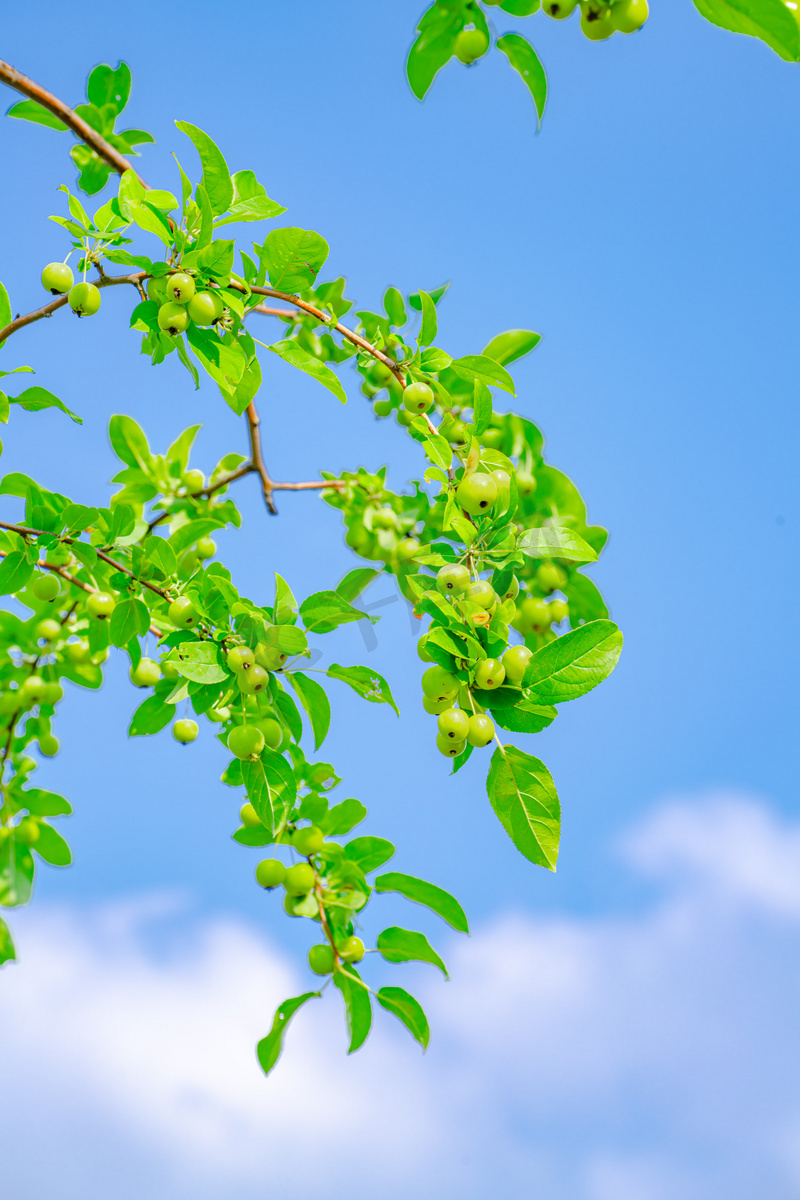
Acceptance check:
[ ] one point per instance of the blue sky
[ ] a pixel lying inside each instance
(648, 233)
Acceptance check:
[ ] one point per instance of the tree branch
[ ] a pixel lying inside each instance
(58, 108)
(47, 310)
(24, 532)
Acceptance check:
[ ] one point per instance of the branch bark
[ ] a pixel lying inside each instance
(24, 532)
(47, 310)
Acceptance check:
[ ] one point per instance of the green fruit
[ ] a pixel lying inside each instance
(272, 731)
(471, 44)
(481, 731)
(351, 950)
(271, 658)
(512, 591)
(453, 579)
(169, 670)
(454, 724)
(157, 289)
(596, 23)
(453, 430)
(379, 374)
(27, 831)
(526, 484)
(559, 611)
(321, 959)
(482, 593)
(240, 658)
(515, 660)
(182, 613)
(77, 652)
(489, 674)
(550, 577)
(220, 715)
(184, 731)
(84, 299)
(45, 587)
(448, 748)
(270, 872)
(438, 684)
(404, 418)
(100, 605)
(53, 692)
(206, 548)
(180, 287)
(560, 8)
(418, 398)
(146, 673)
(309, 840)
(245, 741)
(205, 308)
(421, 651)
(253, 680)
(60, 555)
(407, 549)
(299, 879)
(503, 481)
(629, 15)
(57, 278)
(476, 493)
(492, 439)
(33, 689)
(194, 481)
(249, 817)
(49, 629)
(434, 707)
(382, 408)
(49, 745)
(173, 318)
(534, 616)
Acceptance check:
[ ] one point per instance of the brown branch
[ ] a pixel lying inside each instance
(257, 463)
(24, 532)
(58, 108)
(47, 310)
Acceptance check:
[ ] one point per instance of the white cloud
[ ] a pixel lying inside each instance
(616, 1058)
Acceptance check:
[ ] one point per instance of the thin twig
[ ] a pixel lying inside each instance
(24, 532)
(47, 310)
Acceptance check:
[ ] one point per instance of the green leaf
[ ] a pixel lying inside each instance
(129, 619)
(398, 1001)
(34, 399)
(394, 307)
(481, 408)
(293, 258)
(217, 258)
(355, 582)
(151, 717)
(479, 366)
(523, 717)
(7, 952)
(404, 945)
(159, 552)
(107, 86)
(271, 788)
(257, 208)
(15, 571)
(769, 20)
(322, 612)
(513, 344)
(129, 443)
(269, 1048)
(342, 817)
(31, 110)
(584, 599)
(5, 319)
(556, 541)
(369, 852)
(45, 804)
(439, 29)
(437, 450)
(368, 683)
(524, 59)
(292, 352)
(199, 661)
(421, 892)
(51, 846)
(435, 296)
(520, 8)
(216, 176)
(187, 535)
(573, 664)
(285, 606)
(314, 700)
(522, 793)
(357, 1006)
(430, 324)
(151, 220)
(16, 873)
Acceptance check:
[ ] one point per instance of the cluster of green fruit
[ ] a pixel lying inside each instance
(84, 298)
(601, 18)
(180, 304)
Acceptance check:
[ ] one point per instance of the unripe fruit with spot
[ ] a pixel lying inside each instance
(559, 611)
(351, 950)
(205, 308)
(146, 673)
(482, 593)
(512, 591)
(245, 741)
(379, 374)
(560, 9)
(240, 658)
(481, 731)
(206, 548)
(321, 959)
(270, 873)
(596, 23)
(448, 747)
(309, 840)
(453, 579)
(489, 674)
(33, 689)
(182, 613)
(407, 549)
(180, 288)
(628, 16)
(84, 299)
(173, 318)
(299, 879)
(438, 684)
(184, 731)
(515, 660)
(249, 817)
(271, 658)
(194, 481)
(418, 398)
(253, 680)
(422, 652)
(45, 587)
(49, 629)
(526, 484)
(534, 616)
(434, 707)
(272, 731)
(101, 605)
(550, 577)
(53, 692)
(453, 724)
(57, 278)
(470, 45)
(476, 493)
(49, 745)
